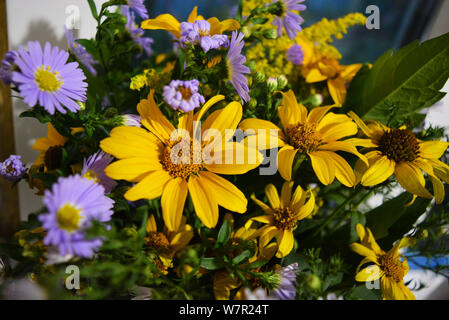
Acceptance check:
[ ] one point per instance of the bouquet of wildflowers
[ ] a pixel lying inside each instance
(238, 165)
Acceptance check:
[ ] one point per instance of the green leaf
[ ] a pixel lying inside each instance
(401, 83)
(93, 9)
(224, 233)
(211, 263)
(393, 219)
(245, 255)
(257, 264)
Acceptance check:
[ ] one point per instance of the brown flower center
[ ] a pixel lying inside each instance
(53, 157)
(284, 219)
(185, 92)
(182, 159)
(399, 145)
(303, 136)
(158, 241)
(392, 267)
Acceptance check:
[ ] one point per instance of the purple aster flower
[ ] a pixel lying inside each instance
(12, 168)
(198, 32)
(135, 32)
(131, 120)
(286, 289)
(93, 168)
(236, 68)
(183, 95)
(80, 52)
(288, 19)
(72, 204)
(139, 7)
(47, 79)
(295, 54)
(7, 67)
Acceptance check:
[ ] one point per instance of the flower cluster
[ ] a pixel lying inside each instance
(238, 165)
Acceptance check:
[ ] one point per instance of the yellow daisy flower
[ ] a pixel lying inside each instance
(50, 148)
(167, 243)
(171, 24)
(146, 158)
(282, 216)
(317, 67)
(399, 152)
(386, 266)
(315, 134)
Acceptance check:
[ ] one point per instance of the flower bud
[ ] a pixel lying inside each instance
(259, 77)
(272, 84)
(313, 281)
(282, 82)
(270, 34)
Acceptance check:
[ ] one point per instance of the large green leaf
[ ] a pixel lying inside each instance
(393, 219)
(401, 83)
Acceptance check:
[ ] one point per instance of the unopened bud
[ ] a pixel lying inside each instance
(272, 84)
(270, 34)
(313, 281)
(259, 77)
(282, 82)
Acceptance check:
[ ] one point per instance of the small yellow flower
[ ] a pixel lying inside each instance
(399, 152)
(317, 67)
(167, 243)
(171, 24)
(386, 266)
(146, 158)
(315, 134)
(282, 216)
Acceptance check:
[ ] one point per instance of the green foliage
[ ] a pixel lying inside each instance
(401, 83)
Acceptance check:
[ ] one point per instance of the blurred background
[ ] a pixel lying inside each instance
(401, 21)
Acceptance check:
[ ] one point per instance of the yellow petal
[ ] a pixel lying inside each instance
(366, 143)
(135, 143)
(343, 171)
(315, 76)
(268, 134)
(337, 131)
(153, 119)
(441, 169)
(54, 136)
(316, 114)
(285, 243)
(151, 224)
(193, 15)
(305, 210)
(346, 146)
(290, 112)
(150, 187)
(438, 187)
(233, 158)
(366, 130)
(205, 205)
(432, 149)
(411, 179)
(182, 238)
(350, 71)
(363, 250)
(267, 234)
(286, 193)
(172, 202)
(323, 166)
(378, 172)
(225, 193)
(223, 120)
(337, 90)
(163, 22)
(298, 198)
(267, 219)
(212, 101)
(132, 169)
(272, 196)
(262, 205)
(370, 273)
(286, 156)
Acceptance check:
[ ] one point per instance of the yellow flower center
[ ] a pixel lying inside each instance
(399, 145)
(69, 217)
(284, 219)
(180, 163)
(91, 175)
(48, 80)
(185, 92)
(158, 241)
(53, 157)
(392, 267)
(304, 137)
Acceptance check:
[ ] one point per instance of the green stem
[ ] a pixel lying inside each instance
(338, 210)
